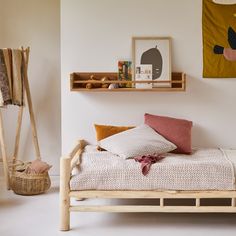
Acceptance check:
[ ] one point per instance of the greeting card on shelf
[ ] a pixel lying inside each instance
(143, 73)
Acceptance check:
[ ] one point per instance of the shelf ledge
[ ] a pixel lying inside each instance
(79, 80)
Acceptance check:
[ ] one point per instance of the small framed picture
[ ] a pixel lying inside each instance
(155, 52)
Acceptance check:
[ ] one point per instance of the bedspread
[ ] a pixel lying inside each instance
(205, 169)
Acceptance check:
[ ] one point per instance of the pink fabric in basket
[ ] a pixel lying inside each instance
(177, 131)
(38, 167)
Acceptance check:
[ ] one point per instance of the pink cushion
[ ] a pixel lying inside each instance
(177, 131)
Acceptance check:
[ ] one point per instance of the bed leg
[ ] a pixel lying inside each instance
(64, 194)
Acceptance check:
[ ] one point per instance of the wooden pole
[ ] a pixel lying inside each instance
(19, 120)
(4, 153)
(30, 106)
(17, 139)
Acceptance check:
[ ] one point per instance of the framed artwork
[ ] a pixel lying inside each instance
(219, 38)
(154, 52)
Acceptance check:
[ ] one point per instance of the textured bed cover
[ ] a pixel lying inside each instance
(205, 169)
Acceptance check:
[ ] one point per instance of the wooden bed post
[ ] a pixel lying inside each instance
(65, 166)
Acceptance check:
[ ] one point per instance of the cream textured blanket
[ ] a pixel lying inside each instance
(205, 169)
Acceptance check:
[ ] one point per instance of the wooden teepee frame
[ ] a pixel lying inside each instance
(26, 88)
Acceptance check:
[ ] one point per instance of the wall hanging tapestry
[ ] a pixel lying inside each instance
(219, 38)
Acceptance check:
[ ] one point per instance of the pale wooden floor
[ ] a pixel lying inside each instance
(38, 216)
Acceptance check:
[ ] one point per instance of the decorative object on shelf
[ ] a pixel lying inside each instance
(18, 177)
(93, 82)
(79, 82)
(219, 38)
(143, 73)
(113, 86)
(125, 73)
(90, 83)
(155, 52)
(105, 82)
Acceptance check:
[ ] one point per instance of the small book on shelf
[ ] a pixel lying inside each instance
(125, 73)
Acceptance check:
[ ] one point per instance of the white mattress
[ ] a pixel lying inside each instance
(205, 169)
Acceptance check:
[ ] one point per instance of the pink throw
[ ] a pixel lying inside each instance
(147, 161)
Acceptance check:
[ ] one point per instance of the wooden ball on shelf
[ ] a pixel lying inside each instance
(92, 77)
(89, 86)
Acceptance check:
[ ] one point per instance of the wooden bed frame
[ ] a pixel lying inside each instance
(67, 163)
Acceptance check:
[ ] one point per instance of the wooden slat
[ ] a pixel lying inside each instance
(128, 90)
(98, 75)
(139, 208)
(233, 202)
(161, 202)
(130, 82)
(198, 202)
(184, 77)
(152, 194)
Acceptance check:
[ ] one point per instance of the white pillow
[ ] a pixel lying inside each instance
(141, 140)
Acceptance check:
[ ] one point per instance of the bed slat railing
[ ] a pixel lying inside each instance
(196, 207)
(151, 208)
(152, 194)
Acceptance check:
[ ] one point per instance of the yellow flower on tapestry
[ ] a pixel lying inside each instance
(219, 38)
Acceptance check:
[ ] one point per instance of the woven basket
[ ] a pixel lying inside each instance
(29, 184)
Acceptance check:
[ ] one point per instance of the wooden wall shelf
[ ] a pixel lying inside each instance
(78, 82)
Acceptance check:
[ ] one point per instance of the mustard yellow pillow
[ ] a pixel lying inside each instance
(104, 131)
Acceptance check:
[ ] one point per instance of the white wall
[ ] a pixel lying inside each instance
(1, 28)
(36, 24)
(95, 34)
